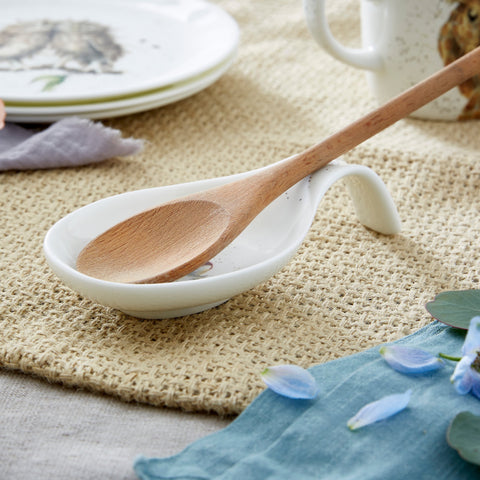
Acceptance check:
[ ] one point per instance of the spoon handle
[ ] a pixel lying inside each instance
(287, 173)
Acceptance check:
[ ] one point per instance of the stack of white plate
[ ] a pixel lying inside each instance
(106, 58)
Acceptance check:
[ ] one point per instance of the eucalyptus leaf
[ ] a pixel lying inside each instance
(455, 308)
(464, 436)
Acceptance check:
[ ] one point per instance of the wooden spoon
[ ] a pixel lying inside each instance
(173, 239)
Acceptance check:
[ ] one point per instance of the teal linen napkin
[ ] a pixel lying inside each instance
(280, 438)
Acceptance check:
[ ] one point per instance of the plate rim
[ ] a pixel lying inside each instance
(128, 105)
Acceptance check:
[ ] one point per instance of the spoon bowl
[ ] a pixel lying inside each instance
(118, 262)
(263, 248)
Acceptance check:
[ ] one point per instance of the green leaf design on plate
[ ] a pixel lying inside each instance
(463, 435)
(51, 81)
(455, 308)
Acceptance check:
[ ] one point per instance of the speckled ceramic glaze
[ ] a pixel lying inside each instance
(404, 41)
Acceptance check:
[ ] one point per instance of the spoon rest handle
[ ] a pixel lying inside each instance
(374, 206)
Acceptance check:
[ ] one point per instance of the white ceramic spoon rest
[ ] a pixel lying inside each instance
(266, 245)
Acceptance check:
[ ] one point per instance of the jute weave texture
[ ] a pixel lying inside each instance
(347, 289)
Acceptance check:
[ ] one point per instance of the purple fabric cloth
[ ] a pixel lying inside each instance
(70, 142)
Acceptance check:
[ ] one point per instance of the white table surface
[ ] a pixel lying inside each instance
(51, 432)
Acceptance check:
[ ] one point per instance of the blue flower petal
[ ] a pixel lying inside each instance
(290, 381)
(466, 378)
(472, 340)
(410, 360)
(462, 378)
(380, 410)
(475, 382)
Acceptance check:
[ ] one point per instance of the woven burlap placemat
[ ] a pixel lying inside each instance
(347, 289)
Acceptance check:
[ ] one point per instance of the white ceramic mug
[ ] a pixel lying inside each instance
(404, 41)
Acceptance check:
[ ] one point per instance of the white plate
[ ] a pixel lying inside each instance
(126, 106)
(102, 49)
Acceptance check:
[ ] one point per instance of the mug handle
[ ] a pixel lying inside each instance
(365, 58)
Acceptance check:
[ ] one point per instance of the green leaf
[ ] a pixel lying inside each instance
(463, 435)
(455, 308)
(51, 81)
